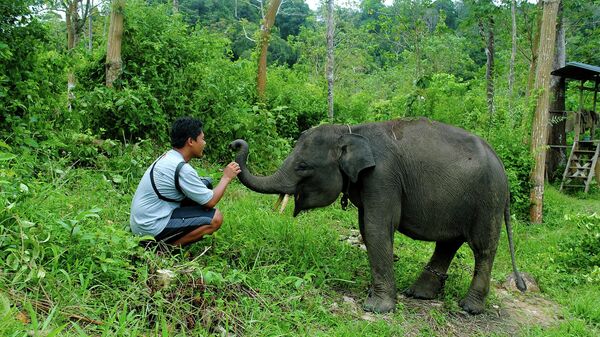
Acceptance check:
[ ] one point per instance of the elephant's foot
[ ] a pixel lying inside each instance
(428, 286)
(473, 303)
(380, 304)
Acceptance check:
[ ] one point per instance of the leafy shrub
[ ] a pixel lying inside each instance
(258, 126)
(579, 253)
(518, 164)
(31, 72)
(297, 103)
(129, 113)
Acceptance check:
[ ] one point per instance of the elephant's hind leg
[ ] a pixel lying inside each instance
(431, 281)
(484, 247)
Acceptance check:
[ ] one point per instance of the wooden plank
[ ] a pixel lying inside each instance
(594, 163)
(562, 183)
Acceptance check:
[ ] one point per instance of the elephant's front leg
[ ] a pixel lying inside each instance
(431, 281)
(378, 237)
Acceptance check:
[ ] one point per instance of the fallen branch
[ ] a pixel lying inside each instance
(46, 306)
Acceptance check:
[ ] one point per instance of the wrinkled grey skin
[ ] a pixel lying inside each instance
(425, 179)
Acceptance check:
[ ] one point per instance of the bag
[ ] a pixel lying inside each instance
(207, 181)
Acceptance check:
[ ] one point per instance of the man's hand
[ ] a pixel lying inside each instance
(231, 170)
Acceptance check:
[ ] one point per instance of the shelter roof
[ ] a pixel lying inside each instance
(578, 71)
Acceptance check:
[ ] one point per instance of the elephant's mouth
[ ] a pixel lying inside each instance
(297, 203)
(302, 203)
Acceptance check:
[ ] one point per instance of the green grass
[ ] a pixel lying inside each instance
(72, 268)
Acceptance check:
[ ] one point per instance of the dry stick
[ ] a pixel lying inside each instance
(46, 306)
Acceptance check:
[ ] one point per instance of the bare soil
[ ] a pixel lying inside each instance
(514, 312)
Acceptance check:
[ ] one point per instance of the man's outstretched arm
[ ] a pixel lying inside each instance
(229, 173)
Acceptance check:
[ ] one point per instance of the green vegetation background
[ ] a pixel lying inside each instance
(68, 261)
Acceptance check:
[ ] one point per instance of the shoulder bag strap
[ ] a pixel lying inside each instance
(160, 196)
(179, 166)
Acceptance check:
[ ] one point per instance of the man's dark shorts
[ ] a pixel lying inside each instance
(184, 220)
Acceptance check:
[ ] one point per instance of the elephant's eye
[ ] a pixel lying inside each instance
(302, 167)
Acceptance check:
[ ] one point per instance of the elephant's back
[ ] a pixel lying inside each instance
(450, 168)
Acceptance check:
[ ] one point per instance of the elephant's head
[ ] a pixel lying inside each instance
(322, 160)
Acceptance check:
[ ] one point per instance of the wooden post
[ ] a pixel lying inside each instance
(539, 134)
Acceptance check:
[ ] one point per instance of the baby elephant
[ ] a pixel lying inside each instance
(427, 180)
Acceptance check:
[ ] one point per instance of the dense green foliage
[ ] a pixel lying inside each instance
(68, 168)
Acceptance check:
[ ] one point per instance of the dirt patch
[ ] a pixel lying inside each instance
(515, 312)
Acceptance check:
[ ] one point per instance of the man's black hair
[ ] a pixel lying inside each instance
(184, 128)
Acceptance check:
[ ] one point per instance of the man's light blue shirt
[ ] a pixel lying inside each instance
(149, 214)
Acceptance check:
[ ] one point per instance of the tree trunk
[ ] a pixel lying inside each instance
(268, 22)
(489, 69)
(557, 87)
(115, 36)
(513, 54)
(72, 21)
(534, 54)
(75, 29)
(90, 29)
(330, 60)
(491, 51)
(539, 135)
(175, 6)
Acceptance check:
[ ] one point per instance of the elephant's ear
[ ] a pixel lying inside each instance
(355, 155)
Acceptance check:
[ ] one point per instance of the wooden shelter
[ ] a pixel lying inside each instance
(582, 163)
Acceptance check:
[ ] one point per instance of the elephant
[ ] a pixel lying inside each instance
(428, 180)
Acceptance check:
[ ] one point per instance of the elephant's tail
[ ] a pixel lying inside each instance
(518, 279)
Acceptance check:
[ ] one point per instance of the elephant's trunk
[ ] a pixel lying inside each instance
(277, 183)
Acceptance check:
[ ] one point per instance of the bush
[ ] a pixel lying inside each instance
(579, 253)
(297, 104)
(127, 114)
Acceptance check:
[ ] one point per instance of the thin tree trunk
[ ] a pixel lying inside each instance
(491, 51)
(90, 29)
(488, 38)
(513, 54)
(557, 88)
(330, 60)
(534, 54)
(115, 37)
(175, 6)
(539, 135)
(71, 19)
(75, 29)
(268, 22)
(418, 71)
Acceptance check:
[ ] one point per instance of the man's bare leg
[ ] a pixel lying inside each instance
(199, 232)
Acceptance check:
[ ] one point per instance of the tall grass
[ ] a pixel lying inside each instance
(261, 274)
